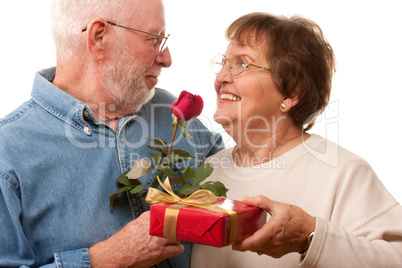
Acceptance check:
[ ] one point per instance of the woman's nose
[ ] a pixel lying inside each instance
(224, 75)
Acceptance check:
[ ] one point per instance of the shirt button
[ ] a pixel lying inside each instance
(86, 129)
(86, 114)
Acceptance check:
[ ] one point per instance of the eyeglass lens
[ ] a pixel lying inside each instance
(163, 46)
(217, 63)
(237, 64)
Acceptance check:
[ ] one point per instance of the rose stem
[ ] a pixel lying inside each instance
(174, 135)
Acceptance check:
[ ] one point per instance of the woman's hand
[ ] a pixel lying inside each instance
(285, 232)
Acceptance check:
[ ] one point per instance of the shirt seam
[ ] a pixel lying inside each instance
(376, 216)
(19, 115)
(10, 182)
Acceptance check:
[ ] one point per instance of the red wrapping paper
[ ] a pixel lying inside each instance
(203, 226)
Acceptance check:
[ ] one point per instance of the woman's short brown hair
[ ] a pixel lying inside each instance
(301, 60)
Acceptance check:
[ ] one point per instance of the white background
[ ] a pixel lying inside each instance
(364, 114)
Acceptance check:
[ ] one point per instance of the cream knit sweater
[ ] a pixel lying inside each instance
(359, 224)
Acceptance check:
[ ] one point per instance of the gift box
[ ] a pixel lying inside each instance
(221, 224)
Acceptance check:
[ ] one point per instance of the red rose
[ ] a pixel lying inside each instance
(187, 106)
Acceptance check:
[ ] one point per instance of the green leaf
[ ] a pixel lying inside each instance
(158, 142)
(162, 150)
(175, 121)
(157, 158)
(122, 189)
(183, 154)
(188, 173)
(123, 179)
(160, 146)
(177, 193)
(138, 189)
(155, 182)
(168, 171)
(144, 195)
(188, 189)
(140, 168)
(177, 156)
(116, 194)
(184, 129)
(217, 187)
(203, 172)
(172, 158)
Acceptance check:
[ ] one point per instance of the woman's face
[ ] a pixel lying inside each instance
(249, 100)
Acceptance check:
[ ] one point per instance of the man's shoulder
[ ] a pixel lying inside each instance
(160, 104)
(18, 113)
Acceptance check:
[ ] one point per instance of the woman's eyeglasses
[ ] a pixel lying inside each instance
(237, 64)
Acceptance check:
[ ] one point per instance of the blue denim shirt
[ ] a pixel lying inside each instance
(58, 167)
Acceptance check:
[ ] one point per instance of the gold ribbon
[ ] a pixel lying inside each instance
(201, 198)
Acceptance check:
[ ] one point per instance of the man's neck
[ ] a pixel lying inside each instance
(86, 88)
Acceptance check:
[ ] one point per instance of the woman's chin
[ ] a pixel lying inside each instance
(223, 119)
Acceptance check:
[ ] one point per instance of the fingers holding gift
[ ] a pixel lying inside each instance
(150, 250)
(260, 242)
(260, 201)
(156, 250)
(285, 232)
(163, 247)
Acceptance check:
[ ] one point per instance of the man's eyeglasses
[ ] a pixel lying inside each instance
(161, 39)
(237, 64)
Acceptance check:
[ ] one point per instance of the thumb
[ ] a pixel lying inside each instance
(260, 201)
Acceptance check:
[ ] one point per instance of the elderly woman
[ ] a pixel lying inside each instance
(327, 207)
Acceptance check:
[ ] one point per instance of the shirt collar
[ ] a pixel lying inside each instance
(64, 106)
(59, 103)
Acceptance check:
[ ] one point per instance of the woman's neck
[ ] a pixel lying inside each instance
(256, 148)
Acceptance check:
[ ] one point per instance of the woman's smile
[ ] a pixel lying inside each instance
(229, 97)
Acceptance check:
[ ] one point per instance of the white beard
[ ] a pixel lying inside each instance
(124, 81)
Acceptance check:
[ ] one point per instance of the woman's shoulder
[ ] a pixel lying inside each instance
(331, 152)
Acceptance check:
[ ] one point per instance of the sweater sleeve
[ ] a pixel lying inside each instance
(365, 227)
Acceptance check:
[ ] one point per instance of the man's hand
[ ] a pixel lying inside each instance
(133, 246)
(285, 232)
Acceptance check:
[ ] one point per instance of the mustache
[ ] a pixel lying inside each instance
(155, 73)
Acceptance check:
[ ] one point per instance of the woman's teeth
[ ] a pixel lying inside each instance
(229, 97)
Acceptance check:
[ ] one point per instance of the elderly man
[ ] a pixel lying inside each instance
(86, 123)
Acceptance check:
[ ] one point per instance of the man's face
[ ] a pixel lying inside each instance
(136, 63)
(124, 80)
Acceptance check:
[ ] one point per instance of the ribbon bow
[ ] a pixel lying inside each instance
(201, 198)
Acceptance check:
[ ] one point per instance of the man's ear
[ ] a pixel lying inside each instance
(97, 37)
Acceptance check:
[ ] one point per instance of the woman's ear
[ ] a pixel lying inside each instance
(288, 103)
(96, 40)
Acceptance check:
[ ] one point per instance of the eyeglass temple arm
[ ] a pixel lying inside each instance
(118, 25)
(111, 23)
(263, 68)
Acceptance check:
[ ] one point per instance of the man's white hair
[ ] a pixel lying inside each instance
(69, 17)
